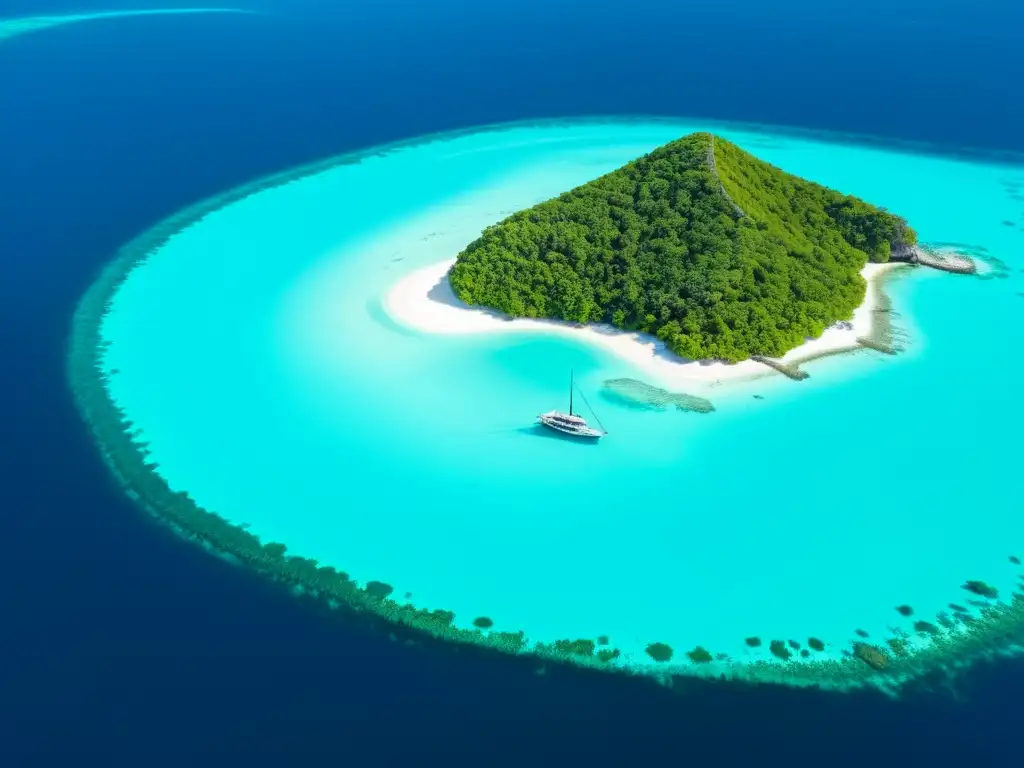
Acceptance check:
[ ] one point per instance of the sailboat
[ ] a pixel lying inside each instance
(571, 423)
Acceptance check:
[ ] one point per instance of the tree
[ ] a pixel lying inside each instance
(719, 261)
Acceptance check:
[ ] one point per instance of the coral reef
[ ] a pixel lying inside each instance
(639, 394)
(926, 627)
(582, 647)
(871, 655)
(377, 589)
(897, 645)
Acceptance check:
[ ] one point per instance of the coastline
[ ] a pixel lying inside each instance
(424, 301)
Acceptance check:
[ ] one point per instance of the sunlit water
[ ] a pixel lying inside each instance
(254, 353)
(15, 27)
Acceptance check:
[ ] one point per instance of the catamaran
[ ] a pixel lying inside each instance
(570, 423)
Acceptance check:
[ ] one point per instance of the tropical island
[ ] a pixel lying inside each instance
(697, 263)
(699, 243)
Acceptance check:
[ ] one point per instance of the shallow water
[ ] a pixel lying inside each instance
(253, 352)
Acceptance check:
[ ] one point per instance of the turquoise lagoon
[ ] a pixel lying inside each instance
(252, 352)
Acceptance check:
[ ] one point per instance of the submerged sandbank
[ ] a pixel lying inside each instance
(424, 300)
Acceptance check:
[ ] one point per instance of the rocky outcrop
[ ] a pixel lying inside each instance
(792, 371)
(947, 261)
(901, 251)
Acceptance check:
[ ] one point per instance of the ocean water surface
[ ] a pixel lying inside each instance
(124, 646)
(17, 26)
(253, 353)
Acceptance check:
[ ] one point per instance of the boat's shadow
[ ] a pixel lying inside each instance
(539, 430)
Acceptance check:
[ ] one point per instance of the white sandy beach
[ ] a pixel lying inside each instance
(424, 300)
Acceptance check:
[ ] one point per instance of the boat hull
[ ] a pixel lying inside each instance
(586, 433)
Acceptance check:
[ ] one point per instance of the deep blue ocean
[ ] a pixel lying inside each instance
(120, 644)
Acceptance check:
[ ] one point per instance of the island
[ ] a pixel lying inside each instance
(716, 253)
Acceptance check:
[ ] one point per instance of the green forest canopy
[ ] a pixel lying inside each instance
(717, 253)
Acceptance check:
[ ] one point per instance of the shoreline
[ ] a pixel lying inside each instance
(424, 301)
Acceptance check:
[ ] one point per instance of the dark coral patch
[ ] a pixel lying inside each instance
(378, 589)
(794, 645)
(957, 608)
(753, 642)
(816, 644)
(1013, 558)
(860, 633)
(699, 655)
(602, 639)
(607, 654)
(905, 610)
(483, 622)
(871, 655)
(779, 650)
(926, 627)
(804, 653)
(981, 588)
(659, 651)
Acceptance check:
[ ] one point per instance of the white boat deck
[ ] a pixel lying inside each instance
(568, 423)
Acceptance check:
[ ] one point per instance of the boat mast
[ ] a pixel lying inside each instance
(571, 382)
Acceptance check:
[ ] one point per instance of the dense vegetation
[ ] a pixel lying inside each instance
(717, 253)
